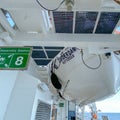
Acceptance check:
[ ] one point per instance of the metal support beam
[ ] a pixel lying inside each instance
(6, 37)
(68, 40)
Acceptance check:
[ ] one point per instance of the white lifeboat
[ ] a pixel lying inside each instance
(84, 78)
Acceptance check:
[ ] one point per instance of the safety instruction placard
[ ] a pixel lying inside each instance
(14, 58)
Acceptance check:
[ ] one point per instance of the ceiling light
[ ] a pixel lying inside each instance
(9, 18)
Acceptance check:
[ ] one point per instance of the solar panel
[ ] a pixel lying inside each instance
(43, 55)
(107, 22)
(57, 48)
(52, 54)
(63, 22)
(42, 62)
(37, 47)
(85, 22)
(38, 54)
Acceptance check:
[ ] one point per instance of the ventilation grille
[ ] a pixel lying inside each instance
(43, 111)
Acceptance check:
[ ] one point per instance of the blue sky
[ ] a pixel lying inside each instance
(111, 104)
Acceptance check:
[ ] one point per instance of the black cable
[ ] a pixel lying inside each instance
(53, 66)
(61, 95)
(50, 9)
(88, 65)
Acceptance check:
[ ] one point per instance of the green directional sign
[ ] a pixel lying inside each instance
(14, 58)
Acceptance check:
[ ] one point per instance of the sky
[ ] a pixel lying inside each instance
(111, 104)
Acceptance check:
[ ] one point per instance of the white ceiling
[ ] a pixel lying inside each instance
(27, 15)
(29, 20)
(51, 4)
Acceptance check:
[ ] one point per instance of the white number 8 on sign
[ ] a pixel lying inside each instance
(19, 60)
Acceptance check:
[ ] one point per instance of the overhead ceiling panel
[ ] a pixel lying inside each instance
(85, 22)
(29, 20)
(63, 22)
(107, 22)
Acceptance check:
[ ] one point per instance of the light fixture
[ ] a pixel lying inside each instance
(9, 19)
(117, 1)
(69, 4)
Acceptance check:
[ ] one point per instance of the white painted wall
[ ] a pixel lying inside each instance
(44, 96)
(7, 81)
(62, 112)
(19, 94)
(1, 42)
(20, 103)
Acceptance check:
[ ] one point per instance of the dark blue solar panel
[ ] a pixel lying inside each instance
(107, 22)
(63, 22)
(37, 47)
(85, 22)
(58, 48)
(38, 54)
(42, 62)
(52, 54)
